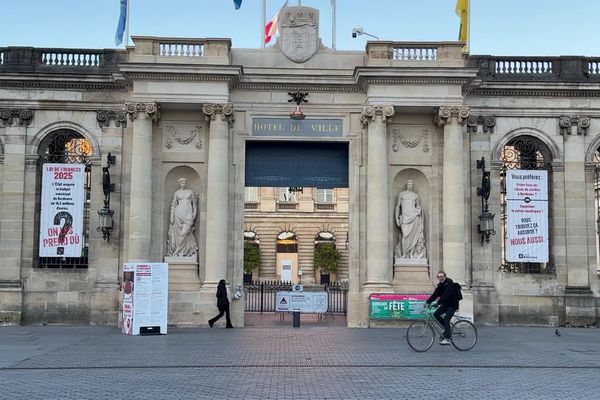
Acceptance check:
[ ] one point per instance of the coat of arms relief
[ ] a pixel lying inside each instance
(299, 27)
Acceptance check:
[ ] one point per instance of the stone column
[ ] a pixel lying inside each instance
(579, 301)
(220, 116)
(13, 218)
(140, 204)
(379, 255)
(453, 192)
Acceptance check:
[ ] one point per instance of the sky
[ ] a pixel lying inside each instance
(498, 27)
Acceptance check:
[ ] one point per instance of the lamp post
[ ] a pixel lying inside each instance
(485, 228)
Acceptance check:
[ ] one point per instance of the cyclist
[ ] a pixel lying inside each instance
(447, 299)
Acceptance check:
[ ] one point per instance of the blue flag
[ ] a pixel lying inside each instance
(237, 4)
(121, 24)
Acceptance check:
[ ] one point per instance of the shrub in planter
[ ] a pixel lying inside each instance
(251, 257)
(327, 257)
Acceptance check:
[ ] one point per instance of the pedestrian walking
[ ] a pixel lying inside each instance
(222, 305)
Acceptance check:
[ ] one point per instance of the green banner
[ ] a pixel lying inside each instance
(397, 306)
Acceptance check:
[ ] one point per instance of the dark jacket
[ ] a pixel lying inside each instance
(446, 294)
(222, 300)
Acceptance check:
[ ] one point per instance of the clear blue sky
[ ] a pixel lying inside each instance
(498, 27)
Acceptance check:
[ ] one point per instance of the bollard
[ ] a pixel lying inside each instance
(296, 318)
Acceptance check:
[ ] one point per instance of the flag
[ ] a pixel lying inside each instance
(462, 10)
(121, 23)
(273, 27)
(237, 4)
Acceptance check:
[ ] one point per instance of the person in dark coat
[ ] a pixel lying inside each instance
(222, 305)
(447, 298)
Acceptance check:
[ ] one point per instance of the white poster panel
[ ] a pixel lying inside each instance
(150, 298)
(527, 216)
(61, 219)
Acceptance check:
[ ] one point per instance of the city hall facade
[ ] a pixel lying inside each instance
(196, 121)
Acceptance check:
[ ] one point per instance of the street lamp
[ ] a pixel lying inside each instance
(486, 218)
(105, 214)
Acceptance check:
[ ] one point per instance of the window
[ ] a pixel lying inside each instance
(65, 146)
(596, 160)
(527, 153)
(325, 196)
(251, 194)
(286, 194)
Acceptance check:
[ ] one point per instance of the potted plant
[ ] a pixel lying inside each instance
(251, 259)
(326, 260)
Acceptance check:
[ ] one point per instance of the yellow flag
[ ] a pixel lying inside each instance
(462, 10)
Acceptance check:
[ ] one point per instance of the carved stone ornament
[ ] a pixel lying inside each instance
(103, 117)
(445, 114)
(409, 143)
(370, 112)
(149, 108)
(299, 30)
(212, 110)
(565, 123)
(183, 136)
(23, 116)
(487, 123)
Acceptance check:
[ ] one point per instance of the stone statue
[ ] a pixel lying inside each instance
(180, 237)
(409, 218)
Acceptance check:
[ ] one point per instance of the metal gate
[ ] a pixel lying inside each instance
(261, 296)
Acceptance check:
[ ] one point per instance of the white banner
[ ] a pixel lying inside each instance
(527, 216)
(61, 220)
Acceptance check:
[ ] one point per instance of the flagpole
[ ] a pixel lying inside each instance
(127, 24)
(333, 7)
(263, 23)
(469, 26)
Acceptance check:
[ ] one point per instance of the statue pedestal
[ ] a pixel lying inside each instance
(186, 304)
(412, 276)
(183, 274)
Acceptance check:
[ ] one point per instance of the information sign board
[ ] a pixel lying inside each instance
(145, 297)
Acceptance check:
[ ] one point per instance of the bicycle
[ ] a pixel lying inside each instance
(421, 334)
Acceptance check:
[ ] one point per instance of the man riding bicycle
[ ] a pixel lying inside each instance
(446, 295)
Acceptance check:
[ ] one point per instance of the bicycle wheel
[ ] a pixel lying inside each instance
(464, 335)
(420, 336)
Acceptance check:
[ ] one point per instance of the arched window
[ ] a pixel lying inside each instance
(596, 160)
(525, 153)
(65, 146)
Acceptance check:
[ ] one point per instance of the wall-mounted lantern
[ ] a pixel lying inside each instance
(105, 214)
(486, 218)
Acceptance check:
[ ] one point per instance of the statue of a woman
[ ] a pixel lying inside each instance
(180, 237)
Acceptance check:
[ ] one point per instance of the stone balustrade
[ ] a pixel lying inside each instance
(386, 53)
(594, 67)
(180, 50)
(554, 69)
(27, 59)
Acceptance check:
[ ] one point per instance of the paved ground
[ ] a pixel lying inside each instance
(310, 362)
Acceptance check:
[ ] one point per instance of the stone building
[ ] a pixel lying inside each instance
(168, 108)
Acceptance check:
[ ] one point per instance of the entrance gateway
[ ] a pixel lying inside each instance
(296, 178)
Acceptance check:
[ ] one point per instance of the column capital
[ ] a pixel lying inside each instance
(151, 109)
(369, 113)
(104, 116)
(211, 111)
(22, 116)
(445, 114)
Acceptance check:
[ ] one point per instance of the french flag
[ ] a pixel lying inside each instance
(272, 27)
